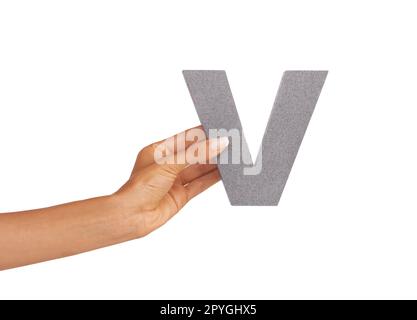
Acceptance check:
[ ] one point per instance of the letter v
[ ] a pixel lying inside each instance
(263, 183)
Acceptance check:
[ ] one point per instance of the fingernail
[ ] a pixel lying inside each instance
(219, 144)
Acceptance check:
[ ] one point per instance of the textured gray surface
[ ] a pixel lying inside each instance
(294, 104)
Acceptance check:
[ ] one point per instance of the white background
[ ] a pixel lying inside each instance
(85, 84)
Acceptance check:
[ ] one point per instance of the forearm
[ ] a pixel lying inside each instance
(44, 234)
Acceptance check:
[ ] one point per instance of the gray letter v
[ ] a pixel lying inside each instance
(263, 183)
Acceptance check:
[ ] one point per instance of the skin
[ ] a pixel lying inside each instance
(153, 194)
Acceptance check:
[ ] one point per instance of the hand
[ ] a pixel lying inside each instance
(157, 189)
(156, 192)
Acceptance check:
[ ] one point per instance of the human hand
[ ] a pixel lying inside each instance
(157, 189)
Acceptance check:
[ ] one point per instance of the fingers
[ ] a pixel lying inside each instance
(178, 196)
(160, 178)
(172, 145)
(198, 153)
(170, 197)
(201, 184)
(195, 171)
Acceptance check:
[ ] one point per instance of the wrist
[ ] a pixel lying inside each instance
(126, 219)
